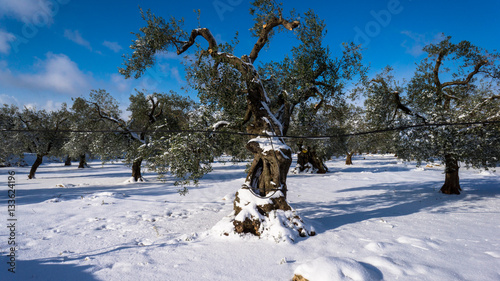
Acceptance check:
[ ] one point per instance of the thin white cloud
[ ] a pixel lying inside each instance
(174, 72)
(76, 37)
(5, 39)
(57, 73)
(6, 99)
(113, 46)
(120, 83)
(51, 105)
(29, 11)
(416, 43)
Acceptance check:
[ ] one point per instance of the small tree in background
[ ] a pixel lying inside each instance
(150, 114)
(43, 133)
(92, 135)
(83, 124)
(9, 146)
(456, 83)
(354, 121)
(384, 110)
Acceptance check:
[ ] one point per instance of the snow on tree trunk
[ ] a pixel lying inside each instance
(309, 162)
(260, 206)
(452, 182)
(136, 170)
(348, 159)
(34, 167)
(270, 167)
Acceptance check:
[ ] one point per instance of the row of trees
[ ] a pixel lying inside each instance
(306, 93)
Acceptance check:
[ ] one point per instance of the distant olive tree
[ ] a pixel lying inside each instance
(43, 133)
(9, 137)
(166, 112)
(455, 86)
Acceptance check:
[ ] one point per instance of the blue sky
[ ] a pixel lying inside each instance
(53, 50)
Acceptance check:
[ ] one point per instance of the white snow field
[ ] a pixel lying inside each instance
(379, 219)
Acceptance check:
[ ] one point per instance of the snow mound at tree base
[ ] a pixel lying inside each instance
(308, 168)
(269, 218)
(132, 180)
(336, 269)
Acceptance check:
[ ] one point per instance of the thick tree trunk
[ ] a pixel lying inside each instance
(38, 162)
(452, 182)
(136, 169)
(83, 162)
(269, 170)
(68, 161)
(348, 159)
(307, 159)
(262, 198)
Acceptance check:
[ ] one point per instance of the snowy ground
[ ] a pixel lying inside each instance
(376, 220)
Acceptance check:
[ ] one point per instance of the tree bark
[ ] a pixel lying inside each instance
(269, 169)
(452, 182)
(136, 169)
(83, 162)
(68, 161)
(348, 159)
(307, 158)
(34, 167)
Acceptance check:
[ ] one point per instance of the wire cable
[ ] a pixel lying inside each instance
(311, 137)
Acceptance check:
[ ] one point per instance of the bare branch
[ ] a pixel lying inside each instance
(404, 108)
(120, 123)
(469, 77)
(205, 33)
(448, 95)
(264, 34)
(439, 61)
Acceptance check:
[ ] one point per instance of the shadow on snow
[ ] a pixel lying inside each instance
(46, 269)
(395, 200)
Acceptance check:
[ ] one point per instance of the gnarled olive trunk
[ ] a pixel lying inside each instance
(452, 182)
(308, 159)
(83, 162)
(34, 167)
(269, 169)
(136, 169)
(268, 173)
(348, 159)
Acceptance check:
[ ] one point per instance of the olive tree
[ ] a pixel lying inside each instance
(9, 137)
(236, 82)
(449, 112)
(148, 113)
(43, 133)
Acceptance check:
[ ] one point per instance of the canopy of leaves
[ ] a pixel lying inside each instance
(456, 83)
